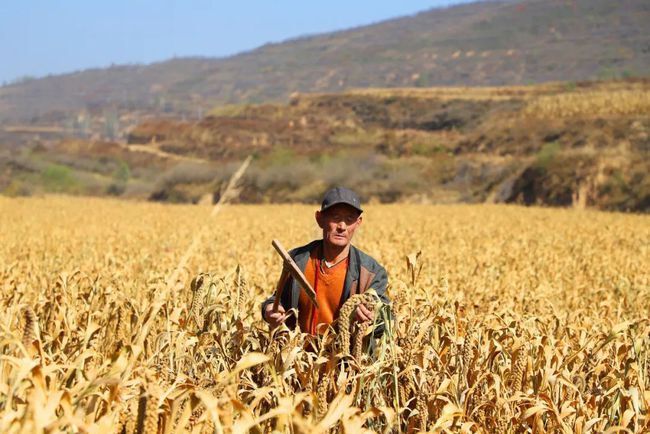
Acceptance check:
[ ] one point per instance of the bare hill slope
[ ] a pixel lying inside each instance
(489, 43)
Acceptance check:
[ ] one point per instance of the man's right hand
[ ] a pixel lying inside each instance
(274, 318)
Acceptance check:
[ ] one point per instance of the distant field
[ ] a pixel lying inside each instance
(520, 320)
(550, 100)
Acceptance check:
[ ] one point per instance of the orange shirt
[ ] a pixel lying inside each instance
(328, 284)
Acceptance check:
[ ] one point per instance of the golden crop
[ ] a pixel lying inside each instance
(591, 103)
(510, 320)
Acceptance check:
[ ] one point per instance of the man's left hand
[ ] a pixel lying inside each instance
(363, 314)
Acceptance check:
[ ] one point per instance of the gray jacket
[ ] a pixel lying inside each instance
(363, 273)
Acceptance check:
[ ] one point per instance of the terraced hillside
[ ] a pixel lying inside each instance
(583, 145)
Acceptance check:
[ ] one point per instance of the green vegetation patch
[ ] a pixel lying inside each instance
(229, 110)
(59, 179)
(547, 154)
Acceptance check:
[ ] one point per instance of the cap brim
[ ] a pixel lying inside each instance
(341, 202)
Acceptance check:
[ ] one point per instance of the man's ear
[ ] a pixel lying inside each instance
(319, 218)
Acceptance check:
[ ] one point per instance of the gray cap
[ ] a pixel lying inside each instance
(341, 195)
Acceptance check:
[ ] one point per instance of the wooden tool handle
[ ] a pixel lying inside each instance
(291, 268)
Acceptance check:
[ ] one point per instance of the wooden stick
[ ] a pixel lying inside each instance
(290, 267)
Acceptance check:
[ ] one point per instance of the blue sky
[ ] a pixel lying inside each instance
(40, 37)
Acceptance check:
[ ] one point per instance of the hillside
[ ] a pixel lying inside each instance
(580, 145)
(489, 43)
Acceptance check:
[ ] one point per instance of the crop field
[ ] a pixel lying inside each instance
(139, 317)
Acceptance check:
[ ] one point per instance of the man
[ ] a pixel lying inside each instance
(334, 268)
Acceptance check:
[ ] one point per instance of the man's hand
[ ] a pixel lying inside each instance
(363, 314)
(274, 318)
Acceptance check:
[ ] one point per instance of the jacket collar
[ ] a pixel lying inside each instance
(351, 277)
(302, 257)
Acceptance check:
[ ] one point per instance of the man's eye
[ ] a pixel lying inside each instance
(349, 220)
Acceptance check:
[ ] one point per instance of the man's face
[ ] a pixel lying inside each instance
(338, 224)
